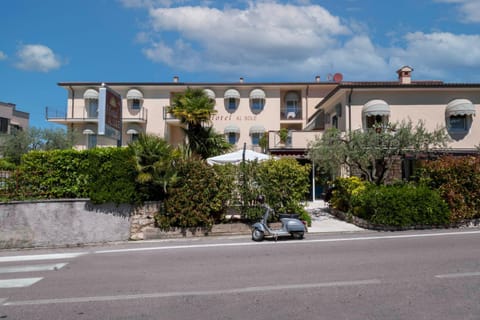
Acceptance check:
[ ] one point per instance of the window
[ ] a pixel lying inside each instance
(91, 141)
(134, 137)
(256, 139)
(257, 105)
(4, 125)
(335, 121)
(232, 137)
(231, 104)
(374, 120)
(136, 104)
(458, 123)
(92, 111)
(291, 105)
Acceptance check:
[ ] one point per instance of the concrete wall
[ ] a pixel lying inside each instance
(61, 223)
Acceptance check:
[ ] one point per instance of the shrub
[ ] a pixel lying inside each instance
(400, 205)
(52, 174)
(197, 199)
(285, 183)
(344, 189)
(112, 173)
(457, 179)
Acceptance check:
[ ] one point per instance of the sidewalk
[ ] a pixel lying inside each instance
(322, 221)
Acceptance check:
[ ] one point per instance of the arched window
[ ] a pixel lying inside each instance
(257, 100)
(134, 99)
(232, 99)
(91, 102)
(375, 112)
(458, 114)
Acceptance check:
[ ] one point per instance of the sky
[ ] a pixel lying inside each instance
(43, 42)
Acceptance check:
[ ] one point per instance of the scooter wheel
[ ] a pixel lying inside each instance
(257, 235)
(297, 235)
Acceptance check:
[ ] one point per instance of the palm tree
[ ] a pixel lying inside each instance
(155, 164)
(195, 109)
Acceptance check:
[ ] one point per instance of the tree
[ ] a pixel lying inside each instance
(372, 152)
(155, 165)
(20, 142)
(194, 109)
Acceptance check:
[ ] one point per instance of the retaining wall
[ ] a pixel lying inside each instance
(61, 223)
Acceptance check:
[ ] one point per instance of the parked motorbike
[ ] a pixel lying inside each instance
(291, 226)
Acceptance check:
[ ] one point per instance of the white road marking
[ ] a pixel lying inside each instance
(54, 256)
(457, 275)
(18, 283)
(32, 268)
(193, 293)
(305, 241)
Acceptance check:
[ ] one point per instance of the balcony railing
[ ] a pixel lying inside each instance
(296, 139)
(54, 115)
(291, 114)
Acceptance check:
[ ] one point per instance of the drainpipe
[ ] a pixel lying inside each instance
(73, 100)
(350, 110)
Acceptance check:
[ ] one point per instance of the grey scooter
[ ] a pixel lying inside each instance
(290, 227)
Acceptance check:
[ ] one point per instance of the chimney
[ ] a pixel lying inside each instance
(175, 79)
(317, 79)
(405, 75)
(241, 80)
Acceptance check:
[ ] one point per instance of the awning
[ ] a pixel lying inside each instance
(232, 93)
(90, 94)
(209, 93)
(231, 129)
(257, 94)
(257, 129)
(376, 108)
(460, 107)
(134, 94)
(88, 131)
(132, 131)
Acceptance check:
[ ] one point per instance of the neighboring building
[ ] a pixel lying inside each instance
(247, 110)
(11, 119)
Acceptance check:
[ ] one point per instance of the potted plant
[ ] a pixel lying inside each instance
(283, 133)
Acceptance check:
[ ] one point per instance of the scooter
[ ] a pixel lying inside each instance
(290, 227)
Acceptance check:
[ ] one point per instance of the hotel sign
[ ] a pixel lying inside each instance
(109, 113)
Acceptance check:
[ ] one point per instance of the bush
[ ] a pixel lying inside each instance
(343, 190)
(457, 179)
(52, 175)
(197, 199)
(111, 173)
(400, 206)
(285, 183)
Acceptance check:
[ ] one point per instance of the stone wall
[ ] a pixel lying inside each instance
(74, 222)
(61, 223)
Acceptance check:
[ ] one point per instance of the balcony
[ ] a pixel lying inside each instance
(297, 139)
(82, 116)
(291, 114)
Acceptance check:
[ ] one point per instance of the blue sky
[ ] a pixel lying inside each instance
(50, 41)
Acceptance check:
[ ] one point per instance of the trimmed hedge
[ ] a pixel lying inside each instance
(400, 206)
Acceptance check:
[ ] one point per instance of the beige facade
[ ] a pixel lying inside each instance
(244, 110)
(247, 110)
(357, 105)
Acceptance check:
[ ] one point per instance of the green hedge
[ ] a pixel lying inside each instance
(457, 179)
(197, 199)
(400, 206)
(111, 173)
(52, 174)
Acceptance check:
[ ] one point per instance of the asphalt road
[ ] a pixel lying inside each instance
(406, 275)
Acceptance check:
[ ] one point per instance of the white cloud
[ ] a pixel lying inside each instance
(469, 9)
(265, 38)
(37, 57)
(3, 56)
(437, 54)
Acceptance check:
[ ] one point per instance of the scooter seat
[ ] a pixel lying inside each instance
(290, 216)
